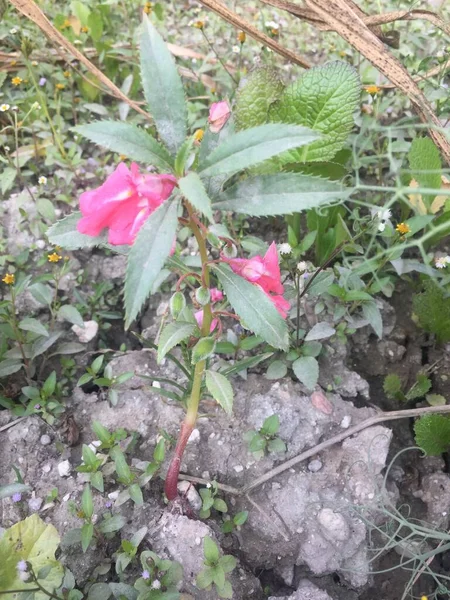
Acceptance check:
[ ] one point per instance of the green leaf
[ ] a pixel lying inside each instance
(122, 468)
(432, 434)
(87, 503)
(204, 578)
(203, 349)
(436, 400)
(253, 146)
(240, 518)
(30, 324)
(42, 293)
(10, 366)
(163, 88)
(129, 140)
(8, 490)
(420, 388)
(276, 370)
(46, 209)
(320, 331)
(306, 369)
(42, 344)
(257, 443)
(246, 363)
(71, 314)
(372, 313)
(226, 591)
(100, 431)
(113, 524)
(97, 481)
(95, 24)
(87, 533)
(99, 591)
(228, 562)
(64, 233)
(173, 334)
(280, 194)
(136, 494)
(36, 542)
(276, 445)
(323, 99)
(123, 591)
(193, 189)
(220, 389)
(425, 164)
(218, 576)
(210, 550)
(271, 425)
(220, 505)
(432, 308)
(147, 256)
(254, 99)
(254, 307)
(49, 384)
(392, 386)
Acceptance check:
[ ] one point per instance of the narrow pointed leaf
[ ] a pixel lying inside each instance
(281, 194)
(163, 89)
(254, 307)
(64, 233)
(147, 256)
(220, 389)
(173, 334)
(129, 140)
(252, 146)
(193, 189)
(30, 324)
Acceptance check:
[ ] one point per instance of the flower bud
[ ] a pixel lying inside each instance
(203, 295)
(177, 304)
(203, 349)
(229, 250)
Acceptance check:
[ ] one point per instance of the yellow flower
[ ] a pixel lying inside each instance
(275, 32)
(199, 24)
(66, 24)
(198, 135)
(372, 89)
(67, 74)
(54, 257)
(60, 86)
(424, 598)
(342, 53)
(123, 157)
(84, 29)
(241, 37)
(148, 8)
(16, 80)
(13, 63)
(9, 278)
(403, 228)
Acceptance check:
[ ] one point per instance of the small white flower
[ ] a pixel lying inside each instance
(442, 262)
(36, 106)
(42, 180)
(78, 42)
(40, 244)
(156, 585)
(6, 148)
(4, 107)
(13, 31)
(302, 266)
(236, 49)
(271, 25)
(285, 248)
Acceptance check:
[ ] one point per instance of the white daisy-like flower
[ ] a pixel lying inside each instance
(42, 180)
(4, 107)
(442, 262)
(382, 216)
(236, 49)
(13, 31)
(285, 248)
(302, 266)
(156, 585)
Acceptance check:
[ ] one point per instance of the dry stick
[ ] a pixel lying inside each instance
(264, 39)
(35, 14)
(338, 15)
(12, 424)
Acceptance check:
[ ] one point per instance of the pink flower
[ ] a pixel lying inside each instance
(265, 272)
(216, 296)
(219, 113)
(123, 203)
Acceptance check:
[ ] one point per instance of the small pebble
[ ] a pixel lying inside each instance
(315, 465)
(45, 440)
(113, 495)
(187, 490)
(195, 435)
(345, 423)
(64, 468)
(238, 468)
(35, 504)
(46, 468)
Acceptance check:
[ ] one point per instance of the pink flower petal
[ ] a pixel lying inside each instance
(219, 113)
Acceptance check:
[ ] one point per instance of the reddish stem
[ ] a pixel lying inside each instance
(170, 486)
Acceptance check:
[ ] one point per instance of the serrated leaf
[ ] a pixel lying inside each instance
(147, 256)
(129, 140)
(193, 189)
(221, 390)
(71, 314)
(432, 308)
(392, 385)
(436, 400)
(432, 434)
(163, 88)
(320, 331)
(254, 99)
(306, 369)
(64, 233)
(372, 313)
(30, 324)
(420, 388)
(279, 194)
(254, 307)
(253, 146)
(34, 541)
(173, 334)
(203, 349)
(323, 99)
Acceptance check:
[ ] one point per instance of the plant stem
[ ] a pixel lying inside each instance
(190, 418)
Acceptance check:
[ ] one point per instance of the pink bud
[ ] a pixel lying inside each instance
(321, 403)
(219, 113)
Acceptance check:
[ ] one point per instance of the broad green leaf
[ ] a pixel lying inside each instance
(306, 369)
(253, 146)
(49, 384)
(136, 494)
(71, 314)
(228, 562)
(42, 293)
(271, 425)
(204, 578)
(226, 591)
(220, 389)
(10, 366)
(115, 523)
(95, 24)
(432, 434)
(203, 349)
(193, 189)
(276, 370)
(42, 344)
(280, 194)
(30, 324)
(276, 445)
(254, 307)
(163, 88)
(148, 255)
(320, 331)
(254, 99)
(123, 590)
(46, 209)
(432, 308)
(420, 388)
(173, 334)
(99, 591)
(34, 541)
(425, 164)
(97, 481)
(323, 99)
(64, 233)
(210, 549)
(373, 315)
(129, 140)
